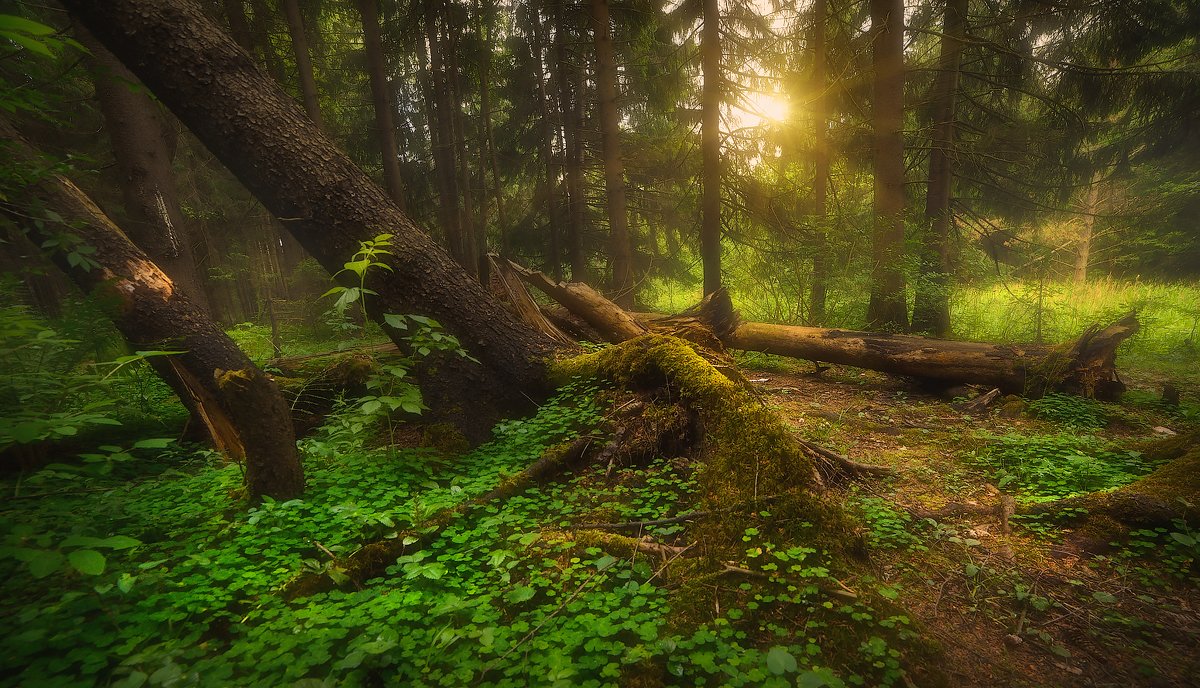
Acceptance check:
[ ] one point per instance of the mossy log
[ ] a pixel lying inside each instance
(1085, 366)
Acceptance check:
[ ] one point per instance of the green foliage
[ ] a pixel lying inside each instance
(1175, 549)
(1070, 410)
(47, 393)
(888, 527)
(1048, 467)
(34, 36)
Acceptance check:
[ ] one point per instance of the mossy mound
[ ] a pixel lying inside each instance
(748, 453)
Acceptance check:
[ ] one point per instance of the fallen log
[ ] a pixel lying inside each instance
(1085, 366)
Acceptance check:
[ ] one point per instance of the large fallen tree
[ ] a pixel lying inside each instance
(1084, 366)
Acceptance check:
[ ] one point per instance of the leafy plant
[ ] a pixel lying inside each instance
(1070, 410)
(1047, 467)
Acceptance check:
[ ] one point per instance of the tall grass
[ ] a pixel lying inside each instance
(1053, 312)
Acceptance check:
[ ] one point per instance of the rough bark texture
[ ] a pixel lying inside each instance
(887, 308)
(139, 144)
(931, 309)
(322, 197)
(485, 117)
(242, 407)
(710, 146)
(620, 252)
(385, 129)
(304, 68)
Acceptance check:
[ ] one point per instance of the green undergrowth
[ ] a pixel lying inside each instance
(186, 591)
(1040, 468)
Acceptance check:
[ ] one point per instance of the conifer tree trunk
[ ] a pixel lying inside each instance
(551, 165)
(570, 102)
(888, 309)
(262, 40)
(244, 411)
(385, 128)
(1087, 225)
(710, 145)
(474, 239)
(329, 204)
(308, 84)
(138, 136)
(449, 213)
(931, 309)
(485, 115)
(239, 25)
(820, 261)
(620, 249)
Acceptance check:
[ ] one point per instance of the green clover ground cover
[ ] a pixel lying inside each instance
(488, 601)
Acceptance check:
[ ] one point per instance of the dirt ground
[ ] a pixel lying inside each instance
(1015, 608)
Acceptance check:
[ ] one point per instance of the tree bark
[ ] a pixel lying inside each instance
(931, 308)
(242, 408)
(570, 102)
(323, 198)
(449, 215)
(262, 38)
(485, 115)
(1087, 224)
(385, 128)
(620, 251)
(820, 261)
(710, 145)
(139, 143)
(474, 236)
(308, 84)
(550, 123)
(887, 308)
(239, 25)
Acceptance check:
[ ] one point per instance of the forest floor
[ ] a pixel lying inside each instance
(151, 572)
(1035, 604)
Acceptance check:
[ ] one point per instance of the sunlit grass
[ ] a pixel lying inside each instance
(1009, 311)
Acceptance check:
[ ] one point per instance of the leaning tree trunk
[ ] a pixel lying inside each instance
(887, 307)
(242, 408)
(620, 252)
(139, 144)
(327, 202)
(385, 130)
